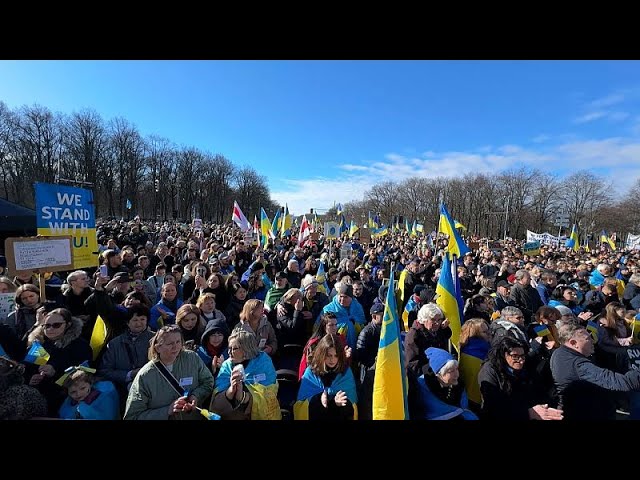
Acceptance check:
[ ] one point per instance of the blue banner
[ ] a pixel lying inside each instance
(62, 210)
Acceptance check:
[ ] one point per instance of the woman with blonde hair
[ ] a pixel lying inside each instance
(474, 349)
(246, 387)
(253, 319)
(171, 384)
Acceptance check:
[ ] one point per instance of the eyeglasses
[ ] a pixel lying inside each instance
(516, 356)
(53, 325)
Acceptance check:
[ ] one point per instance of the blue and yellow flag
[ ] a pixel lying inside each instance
(285, 225)
(457, 224)
(353, 228)
(277, 222)
(604, 238)
(542, 330)
(592, 327)
(406, 225)
(449, 299)
(456, 245)
(370, 222)
(339, 209)
(390, 382)
(379, 232)
(414, 229)
(84, 366)
(321, 277)
(37, 354)
(265, 227)
(573, 242)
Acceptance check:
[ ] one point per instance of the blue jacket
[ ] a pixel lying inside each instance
(104, 404)
(155, 314)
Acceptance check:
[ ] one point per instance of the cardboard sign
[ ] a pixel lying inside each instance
(42, 254)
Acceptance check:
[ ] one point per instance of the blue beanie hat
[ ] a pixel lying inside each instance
(437, 358)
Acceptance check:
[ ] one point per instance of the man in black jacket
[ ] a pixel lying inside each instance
(586, 391)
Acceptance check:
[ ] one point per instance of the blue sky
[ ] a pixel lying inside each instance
(325, 131)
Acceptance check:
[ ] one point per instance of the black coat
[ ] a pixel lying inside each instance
(500, 402)
(418, 339)
(586, 391)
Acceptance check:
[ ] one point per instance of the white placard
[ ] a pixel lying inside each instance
(7, 305)
(42, 254)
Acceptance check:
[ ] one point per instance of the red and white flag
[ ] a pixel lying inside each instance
(305, 231)
(239, 218)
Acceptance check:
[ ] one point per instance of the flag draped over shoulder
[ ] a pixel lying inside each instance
(456, 245)
(390, 382)
(573, 242)
(450, 300)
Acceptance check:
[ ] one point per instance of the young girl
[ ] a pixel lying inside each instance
(215, 343)
(89, 400)
(328, 388)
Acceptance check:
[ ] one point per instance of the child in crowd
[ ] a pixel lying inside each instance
(88, 399)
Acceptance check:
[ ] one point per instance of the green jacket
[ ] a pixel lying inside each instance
(151, 394)
(274, 295)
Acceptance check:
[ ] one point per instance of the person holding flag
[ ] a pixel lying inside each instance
(59, 336)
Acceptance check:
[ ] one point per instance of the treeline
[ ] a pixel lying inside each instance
(162, 180)
(524, 198)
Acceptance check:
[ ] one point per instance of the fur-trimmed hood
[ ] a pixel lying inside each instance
(73, 332)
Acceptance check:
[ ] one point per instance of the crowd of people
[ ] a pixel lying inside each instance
(203, 323)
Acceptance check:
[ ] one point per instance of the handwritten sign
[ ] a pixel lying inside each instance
(42, 254)
(7, 305)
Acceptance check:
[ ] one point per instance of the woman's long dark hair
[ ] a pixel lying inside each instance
(499, 363)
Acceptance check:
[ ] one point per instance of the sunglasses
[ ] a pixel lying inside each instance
(53, 325)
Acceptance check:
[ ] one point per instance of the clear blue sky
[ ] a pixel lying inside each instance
(324, 131)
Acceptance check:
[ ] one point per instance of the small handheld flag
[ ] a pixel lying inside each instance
(593, 330)
(542, 330)
(37, 354)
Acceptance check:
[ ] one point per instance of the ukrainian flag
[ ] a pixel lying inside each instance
(406, 225)
(390, 382)
(371, 223)
(265, 227)
(379, 232)
(339, 209)
(573, 242)
(592, 327)
(277, 221)
(459, 225)
(456, 245)
(286, 222)
(414, 231)
(321, 277)
(604, 238)
(542, 330)
(449, 298)
(353, 229)
(37, 354)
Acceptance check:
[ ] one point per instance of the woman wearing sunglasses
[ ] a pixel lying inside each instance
(59, 335)
(510, 390)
